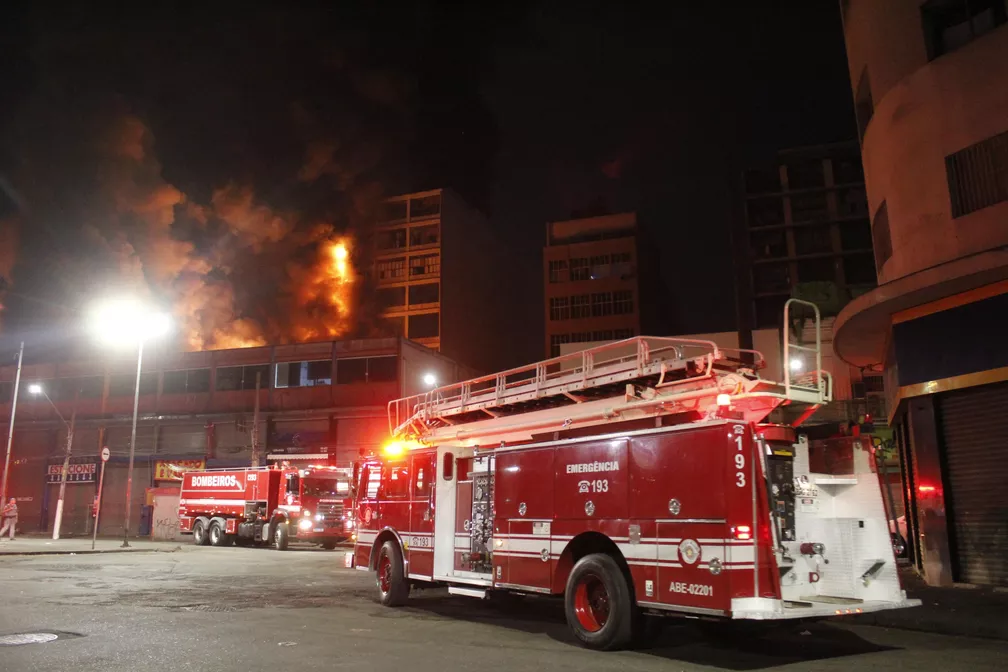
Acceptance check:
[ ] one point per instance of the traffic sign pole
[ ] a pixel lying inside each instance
(101, 480)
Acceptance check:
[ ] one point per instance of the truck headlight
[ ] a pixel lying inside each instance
(318, 516)
(306, 512)
(305, 524)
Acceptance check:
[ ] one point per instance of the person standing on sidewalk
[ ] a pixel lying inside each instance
(9, 518)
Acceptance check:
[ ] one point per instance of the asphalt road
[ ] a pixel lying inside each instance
(259, 609)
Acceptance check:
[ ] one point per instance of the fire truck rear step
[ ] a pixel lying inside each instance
(829, 599)
(467, 592)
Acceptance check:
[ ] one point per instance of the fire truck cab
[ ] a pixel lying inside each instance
(644, 477)
(267, 505)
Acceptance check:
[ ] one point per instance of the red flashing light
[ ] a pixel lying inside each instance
(926, 488)
(742, 532)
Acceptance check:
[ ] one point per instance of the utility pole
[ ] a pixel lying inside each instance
(255, 424)
(10, 430)
(66, 465)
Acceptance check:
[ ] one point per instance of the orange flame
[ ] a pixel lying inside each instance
(325, 294)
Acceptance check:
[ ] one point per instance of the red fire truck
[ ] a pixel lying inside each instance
(652, 476)
(266, 505)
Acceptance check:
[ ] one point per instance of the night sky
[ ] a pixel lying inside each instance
(531, 112)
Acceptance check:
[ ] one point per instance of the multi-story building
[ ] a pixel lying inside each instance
(434, 273)
(805, 221)
(597, 280)
(318, 403)
(930, 82)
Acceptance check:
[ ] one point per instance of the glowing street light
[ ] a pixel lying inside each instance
(35, 389)
(430, 380)
(796, 364)
(128, 322)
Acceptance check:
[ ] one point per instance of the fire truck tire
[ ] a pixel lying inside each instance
(217, 535)
(199, 532)
(281, 537)
(599, 604)
(328, 545)
(393, 588)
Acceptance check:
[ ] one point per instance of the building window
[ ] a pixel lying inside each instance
(392, 240)
(303, 374)
(367, 370)
(812, 239)
(556, 340)
(601, 304)
(763, 180)
(425, 206)
(558, 270)
(770, 244)
(350, 371)
(602, 335)
(852, 202)
(770, 278)
(859, 269)
(580, 306)
(428, 264)
(864, 108)
(189, 381)
(393, 211)
(600, 268)
(623, 302)
(580, 269)
(880, 237)
(231, 378)
(809, 207)
(391, 269)
(6, 392)
(559, 308)
(90, 387)
(805, 174)
(423, 235)
(424, 326)
(978, 175)
(848, 170)
(390, 297)
(124, 385)
(951, 24)
(424, 294)
(393, 326)
(581, 337)
(765, 211)
(622, 334)
(383, 369)
(816, 270)
(856, 235)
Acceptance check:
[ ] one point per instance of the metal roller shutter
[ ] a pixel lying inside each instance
(976, 472)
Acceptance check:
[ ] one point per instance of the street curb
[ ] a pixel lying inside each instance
(90, 552)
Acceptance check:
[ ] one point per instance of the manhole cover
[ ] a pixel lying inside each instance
(27, 638)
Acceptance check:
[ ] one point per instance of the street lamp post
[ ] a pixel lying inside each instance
(129, 322)
(38, 389)
(10, 430)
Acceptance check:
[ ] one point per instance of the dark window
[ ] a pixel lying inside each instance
(950, 24)
(423, 470)
(769, 278)
(580, 306)
(230, 378)
(558, 270)
(555, 341)
(351, 371)
(393, 326)
(304, 374)
(816, 270)
(428, 264)
(623, 302)
(581, 337)
(809, 207)
(393, 211)
(602, 335)
(90, 387)
(124, 384)
(864, 108)
(420, 294)
(396, 482)
(601, 304)
(579, 269)
(770, 311)
(448, 466)
(765, 211)
(763, 180)
(383, 369)
(427, 206)
(768, 244)
(856, 235)
(812, 239)
(424, 326)
(805, 174)
(852, 202)
(859, 269)
(198, 380)
(391, 297)
(423, 235)
(559, 308)
(880, 237)
(186, 381)
(848, 170)
(620, 334)
(391, 269)
(978, 175)
(600, 267)
(392, 240)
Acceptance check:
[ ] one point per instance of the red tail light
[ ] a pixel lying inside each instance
(742, 532)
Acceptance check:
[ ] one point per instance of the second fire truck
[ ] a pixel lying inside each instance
(643, 477)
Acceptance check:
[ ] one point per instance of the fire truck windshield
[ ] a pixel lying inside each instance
(319, 486)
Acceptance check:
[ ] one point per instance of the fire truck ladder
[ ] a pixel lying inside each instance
(668, 368)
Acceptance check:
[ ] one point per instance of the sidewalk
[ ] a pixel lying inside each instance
(960, 610)
(39, 545)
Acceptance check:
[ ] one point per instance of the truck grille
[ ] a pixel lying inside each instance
(331, 512)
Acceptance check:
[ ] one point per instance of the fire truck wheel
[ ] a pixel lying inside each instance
(199, 533)
(280, 537)
(393, 588)
(328, 545)
(598, 603)
(217, 536)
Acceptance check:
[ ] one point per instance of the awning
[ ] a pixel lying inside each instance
(296, 457)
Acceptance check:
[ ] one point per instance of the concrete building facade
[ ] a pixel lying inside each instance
(319, 403)
(930, 83)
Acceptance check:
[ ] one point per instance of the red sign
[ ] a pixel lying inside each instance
(77, 472)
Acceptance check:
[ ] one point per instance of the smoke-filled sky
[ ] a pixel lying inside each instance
(212, 155)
